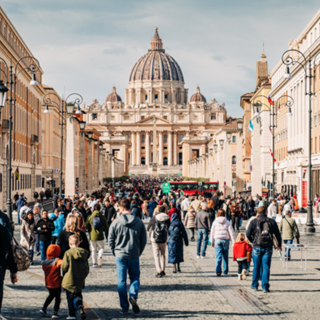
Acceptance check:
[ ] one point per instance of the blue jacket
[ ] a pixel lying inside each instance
(151, 206)
(135, 210)
(58, 223)
(20, 203)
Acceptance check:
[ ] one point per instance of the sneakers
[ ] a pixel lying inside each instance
(99, 263)
(179, 270)
(198, 257)
(254, 289)
(202, 257)
(248, 272)
(244, 274)
(192, 239)
(55, 315)
(163, 273)
(124, 312)
(82, 313)
(95, 266)
(174, 271)
(134, 304)
(159, 275)
(218, 274)
(71, 318)
(239, 277)
(43, 312)
(266, 291)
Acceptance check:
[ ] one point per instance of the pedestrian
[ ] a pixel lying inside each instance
(226, 206)
(190, 221)
(203, 225)
(51, 268)
(23, 211)
(286, 207)
(127, 240)
(220, 235)
(20, 204)
(260, 233)
(272, 210)
(44, 228)
(6, 223)
(177, 236)
(145, 209)
(135, 209)
(96, 226)
(158, 234)
(151, 206)
(250, 208)
(6, 260)
(75, 268)
(195, 204)
(185, 204)
(235, 215)
(71, 228)
(59, 222)
(241, 248)
(289, 231)
(173, 211)
(27, 234)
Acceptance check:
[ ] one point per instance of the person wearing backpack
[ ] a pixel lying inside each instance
(158, 234)
(289, 231)
(260, 233)
(96, 226)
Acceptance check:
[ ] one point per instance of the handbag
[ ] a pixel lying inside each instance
(21, 256)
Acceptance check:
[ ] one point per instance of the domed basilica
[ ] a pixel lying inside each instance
(156, 118)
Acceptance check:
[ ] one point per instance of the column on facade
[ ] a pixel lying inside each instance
(239, 166)
(221, 172)
(173, 93)
(175, 152)
(160, 148)
(229, 169)
(82, 165)
(133, 149)
(100, 169)
(70, 176)
(96, 166)
(256, 160)
(147, 149)
(89, 191)
(169, 148)
(138, 148)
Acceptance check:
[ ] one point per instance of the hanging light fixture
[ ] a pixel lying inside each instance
(47, 109)
(34, 81)
(3, 94)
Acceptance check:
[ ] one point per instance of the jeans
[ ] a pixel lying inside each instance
(221, 251)
(1, 286)
(19, 222)
(53, 294)
(202, 237)
(124, 266)
(74, 299)
(288, 251)
(43, 249)
(261, 259)
(37, 245)
(235, 222)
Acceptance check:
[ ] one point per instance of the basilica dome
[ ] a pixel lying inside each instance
(113, 96)
(198, 96)
(156, 64)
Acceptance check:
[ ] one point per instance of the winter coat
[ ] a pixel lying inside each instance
(96, 234)
(173, 211)
(58, 222)
(160, 217)
(185, 204)
(250, 208)
(51, 267)
(222, 229)
(6, 253)
(235, 210)
(4, 220)
(177, 235)
(63, 241)
(45, 234)
(135, 210)
(145, 210)
(151, 206)
(195, 204)
(203, 220)
(287, 230)
(28, 235)
(240, 249)
(190, 220)
(75, 268)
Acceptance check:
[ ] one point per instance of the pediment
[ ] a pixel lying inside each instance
(150, 120)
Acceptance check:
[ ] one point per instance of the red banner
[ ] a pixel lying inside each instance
(304, 194)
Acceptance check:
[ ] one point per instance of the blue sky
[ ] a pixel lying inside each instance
(89, 46)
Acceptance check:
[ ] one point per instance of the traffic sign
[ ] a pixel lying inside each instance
(166, 187)
(200, 183)
(130, 173)
(179, 174)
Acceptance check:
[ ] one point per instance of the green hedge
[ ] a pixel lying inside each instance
(196, 179)
(119, 179)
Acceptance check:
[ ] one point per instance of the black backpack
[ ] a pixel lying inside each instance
(264, 236)
(160, 233)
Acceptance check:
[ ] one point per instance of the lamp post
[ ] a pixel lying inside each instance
(65, 107)
(310, 68)
(273, 106)
(11, 73)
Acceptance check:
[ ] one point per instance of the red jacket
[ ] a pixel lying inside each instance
(240, 249)
(51, 267)
(172, 211)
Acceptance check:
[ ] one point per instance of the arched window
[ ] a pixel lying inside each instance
(165, 139)
(180, 137)
(143, 160)
(234, 160)
(165, 161)
(143, 139)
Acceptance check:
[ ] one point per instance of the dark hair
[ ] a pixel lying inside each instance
(261, 210)
(76, 204)
(45, 211)
(162, 209)
(221, 213)
(173, 204)
(68, 206)
(97, 207)
(125, 204)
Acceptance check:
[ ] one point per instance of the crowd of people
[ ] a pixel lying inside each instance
(79, 228)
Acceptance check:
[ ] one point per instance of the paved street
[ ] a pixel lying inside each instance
(196, 293)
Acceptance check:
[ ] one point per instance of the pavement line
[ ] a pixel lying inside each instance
(91, 315)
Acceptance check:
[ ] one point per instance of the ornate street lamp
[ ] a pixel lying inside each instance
(221, 141)
(82, 125)
(216, 147)
(229, 134)
(3, 94)
(90, 135)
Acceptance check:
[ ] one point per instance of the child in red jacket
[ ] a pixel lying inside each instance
(240, 250)
(51, 267)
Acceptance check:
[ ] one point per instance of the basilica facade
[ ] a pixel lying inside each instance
(157, 128)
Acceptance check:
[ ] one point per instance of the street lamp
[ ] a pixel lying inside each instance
(90, 135)
(240, 125)
(229, 136)
(65, 107)
(221, 141)
(310, 73)
(216, 147)
(11, 73)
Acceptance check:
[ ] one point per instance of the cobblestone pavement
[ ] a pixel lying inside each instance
(196, 293)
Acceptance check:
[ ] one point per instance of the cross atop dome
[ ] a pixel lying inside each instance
(156, 42)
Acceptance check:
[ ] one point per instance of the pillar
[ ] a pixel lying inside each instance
(229, 169)
(147, 149)
(133, 149)
(239, 165)
(96, 167)
(175, 152)
(70, 176)
(90, 167)
(170, 148)
(221, 174)
(82, 165)
(138, 148)
(160, 148)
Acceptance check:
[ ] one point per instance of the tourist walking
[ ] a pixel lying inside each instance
(203, 225)
(190, 221)
(260, 233)
(220, 235)
(127, 240)
(241, 248)
(185, 204)
(272, 210)
(151, 206)
(59, 222)
(28, 235)
(177, 236)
